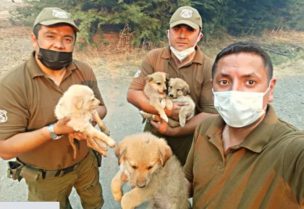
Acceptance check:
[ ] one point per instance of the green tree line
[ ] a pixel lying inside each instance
(149, 20)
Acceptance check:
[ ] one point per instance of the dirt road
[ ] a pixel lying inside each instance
(123, 119)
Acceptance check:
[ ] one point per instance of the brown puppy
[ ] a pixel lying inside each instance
(179, 91)
(155, 175)
(79, 104)
(155, 89)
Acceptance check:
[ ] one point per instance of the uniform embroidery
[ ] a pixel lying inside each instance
(60, 14)
(137, 73)
(3, 116)
(186, 13)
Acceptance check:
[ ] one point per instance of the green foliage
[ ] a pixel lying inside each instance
(149, 20)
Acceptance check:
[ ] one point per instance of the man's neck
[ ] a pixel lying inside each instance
(235, 136)
(55, 75)
(185, 61)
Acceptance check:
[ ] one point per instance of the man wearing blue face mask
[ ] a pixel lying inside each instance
(183, 59)
(28, 127)
(246, 157)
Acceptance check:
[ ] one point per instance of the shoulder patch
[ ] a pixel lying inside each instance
(3, 116)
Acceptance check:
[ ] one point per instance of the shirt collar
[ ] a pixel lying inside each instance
(256, 140)
(35, 70)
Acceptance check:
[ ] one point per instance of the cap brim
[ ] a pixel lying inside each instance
(184, 22)
(53, 22)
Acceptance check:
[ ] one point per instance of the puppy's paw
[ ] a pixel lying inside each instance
(169, 104)
(126, 202)
(164, 117)
(117, 195)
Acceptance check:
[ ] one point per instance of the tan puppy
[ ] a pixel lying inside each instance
(155, 175)
(79, 104)
(155, 89)
(179, 91)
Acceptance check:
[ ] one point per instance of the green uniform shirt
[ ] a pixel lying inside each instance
(27, 103)
(198, 76)
(265, 171)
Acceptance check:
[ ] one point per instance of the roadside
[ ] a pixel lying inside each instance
(114, 74)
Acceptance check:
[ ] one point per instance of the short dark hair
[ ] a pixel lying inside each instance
(246, 47)
(37, 28)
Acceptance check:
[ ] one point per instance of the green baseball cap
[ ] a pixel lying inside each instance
(186, 15)
(53, 15)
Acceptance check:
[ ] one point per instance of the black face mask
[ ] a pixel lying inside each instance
(55, 60)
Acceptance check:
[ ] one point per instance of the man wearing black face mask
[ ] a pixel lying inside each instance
(28, 128)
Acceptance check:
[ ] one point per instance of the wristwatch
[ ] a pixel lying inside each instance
(53, 135)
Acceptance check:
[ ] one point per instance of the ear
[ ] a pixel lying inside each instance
(271, 89)
(34, 42)
(77, 102)
(120, 152)
(149, 78)
(186, 90)
(165, 151)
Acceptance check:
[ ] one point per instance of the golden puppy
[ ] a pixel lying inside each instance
(79, 104)
(155, 89)
(155, 175)
(179, 91)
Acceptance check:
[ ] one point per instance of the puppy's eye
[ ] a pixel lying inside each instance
(150, 167)
(178, 89)
(134, 167)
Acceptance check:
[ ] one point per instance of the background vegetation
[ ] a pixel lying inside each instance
(147, 21)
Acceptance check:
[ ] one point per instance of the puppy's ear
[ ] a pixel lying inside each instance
(149, 78)
(186, 90)
(165, 151)
(120, 152)
(78, 102)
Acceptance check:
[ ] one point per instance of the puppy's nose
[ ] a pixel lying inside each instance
(170, 95)
(141, 184)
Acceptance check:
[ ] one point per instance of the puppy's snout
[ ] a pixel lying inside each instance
(171, 95)
(141, 184)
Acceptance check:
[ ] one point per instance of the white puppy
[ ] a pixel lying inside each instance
(79, 104)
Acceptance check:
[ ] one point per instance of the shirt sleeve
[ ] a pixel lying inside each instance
(139, 78)
(14, 113)
(206, 98)
(294, 165)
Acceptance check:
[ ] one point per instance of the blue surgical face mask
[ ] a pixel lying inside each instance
(55, 60)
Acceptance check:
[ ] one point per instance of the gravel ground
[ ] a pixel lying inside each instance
(123, 119)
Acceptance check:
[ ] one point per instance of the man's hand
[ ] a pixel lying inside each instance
(163, 128)
(175, 110)
(61, 127)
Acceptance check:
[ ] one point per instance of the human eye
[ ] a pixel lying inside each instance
(68, 40)
(49, 36)
(250, 83)
(223, 82)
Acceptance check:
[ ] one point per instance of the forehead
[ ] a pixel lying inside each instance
(242, 63)
(58, 29)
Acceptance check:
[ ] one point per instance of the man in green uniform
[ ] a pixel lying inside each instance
(28, 127)
(182, 59)
(246, 157)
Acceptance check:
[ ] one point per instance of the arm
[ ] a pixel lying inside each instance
(139, 100)
(189, 128)
(27, 141)
(102, 111)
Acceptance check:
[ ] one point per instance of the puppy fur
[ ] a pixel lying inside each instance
(155, 89)
(179, 91)
(155, 175)
(79, 104)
